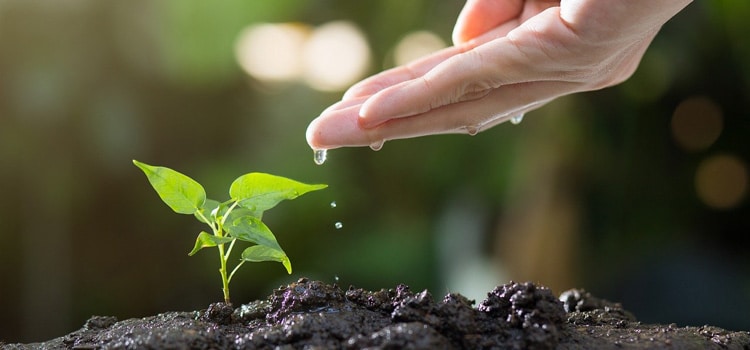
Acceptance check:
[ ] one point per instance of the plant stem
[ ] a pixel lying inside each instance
(218, 228)
(226, 215)
(235, 270)
(229, 250)
(223, 272)
(225, 256)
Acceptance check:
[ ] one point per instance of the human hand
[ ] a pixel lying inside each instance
(509, 57)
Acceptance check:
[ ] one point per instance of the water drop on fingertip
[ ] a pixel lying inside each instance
(472, 130)
(377, 145)
(319, 156)
(515, 120)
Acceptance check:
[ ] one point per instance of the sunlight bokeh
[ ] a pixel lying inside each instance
(335, 56)
(329, 57)
(721, 181)
(697, 123)
(415, 45)
(272, 52)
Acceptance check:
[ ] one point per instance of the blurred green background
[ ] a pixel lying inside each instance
(636, 193)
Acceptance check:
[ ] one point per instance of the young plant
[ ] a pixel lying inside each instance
(237, 219)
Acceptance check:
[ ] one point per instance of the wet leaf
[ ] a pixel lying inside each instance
(258, 253)
(260, 192)
(239, 212)
(251, 229)
(206, 240)
(181, 193)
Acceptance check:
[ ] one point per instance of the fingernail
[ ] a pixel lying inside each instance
(365, 119)
(366, 123)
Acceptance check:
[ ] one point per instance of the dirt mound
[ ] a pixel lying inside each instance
(314, 315)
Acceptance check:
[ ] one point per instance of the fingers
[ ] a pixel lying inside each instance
(421, 66)
(340, 127)
(400, 74)
(463, 77)
(480, 16)
(337, 128)
(517, 57)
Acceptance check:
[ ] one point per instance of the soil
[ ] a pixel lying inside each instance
(313, 315)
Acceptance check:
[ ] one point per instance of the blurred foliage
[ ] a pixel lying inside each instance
(591, 188)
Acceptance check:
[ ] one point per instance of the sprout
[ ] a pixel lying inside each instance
(239, 218)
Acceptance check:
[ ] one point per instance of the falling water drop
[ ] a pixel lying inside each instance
(338, 225)
(377, 145)
(517, 119)
(319, 156)
(333, 204)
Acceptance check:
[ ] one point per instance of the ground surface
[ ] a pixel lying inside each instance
(313, 315)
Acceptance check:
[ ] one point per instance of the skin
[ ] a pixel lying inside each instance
(509, 57)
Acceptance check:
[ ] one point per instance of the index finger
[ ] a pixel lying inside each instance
(400, 74)
(421, 66)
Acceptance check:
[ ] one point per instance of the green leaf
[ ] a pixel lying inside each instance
(181, 193)
(258, 253)
(239, 212)
(260, 192)
(206, 240)
(251, 229)
(208, 207)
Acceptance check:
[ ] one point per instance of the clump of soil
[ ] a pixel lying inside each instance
(314, 315)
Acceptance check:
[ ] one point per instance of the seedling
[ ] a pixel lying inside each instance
(237, 219)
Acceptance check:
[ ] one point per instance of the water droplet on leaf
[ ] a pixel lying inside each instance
(319, 156)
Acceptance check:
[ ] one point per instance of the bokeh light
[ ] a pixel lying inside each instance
(415, 45)
(697, 123)
(330, 57)
(336, 55)
(721, 181)
(272, 51)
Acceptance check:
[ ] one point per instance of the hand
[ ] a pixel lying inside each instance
(509, 57)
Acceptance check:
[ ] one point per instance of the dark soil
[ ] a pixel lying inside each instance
(313, 315)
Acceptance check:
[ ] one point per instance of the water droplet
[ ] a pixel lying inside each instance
(333, 204)
(517, 119)
(377, 145)
(472, 129)
(319, 156)
(336, 278)
(338, 225)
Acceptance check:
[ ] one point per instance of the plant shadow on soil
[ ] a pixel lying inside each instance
(313, 315)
